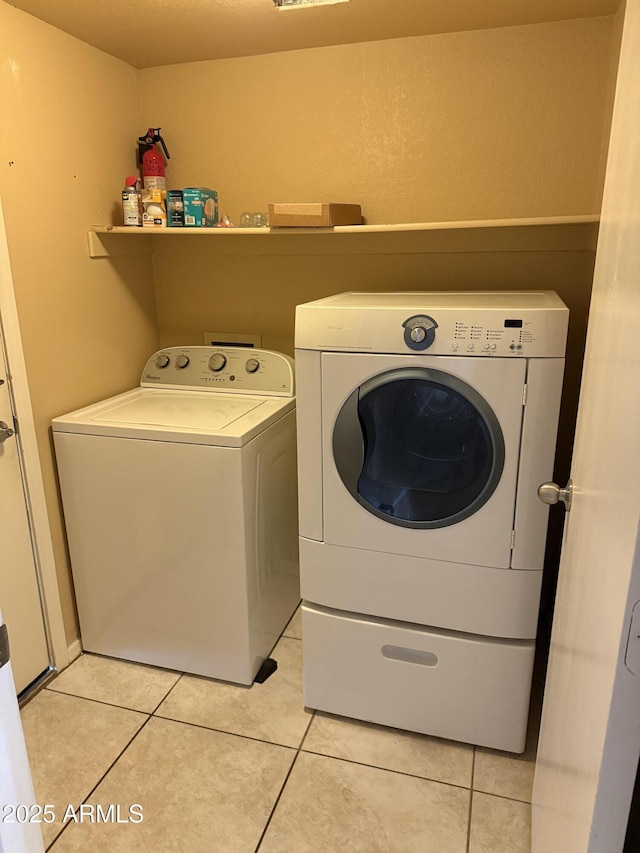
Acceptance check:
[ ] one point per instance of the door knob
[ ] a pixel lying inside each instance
(5, 431)
(551, 493)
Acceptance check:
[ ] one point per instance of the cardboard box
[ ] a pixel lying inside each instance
(175, 209)
(318, 215)
(200, 207)
(154, 209)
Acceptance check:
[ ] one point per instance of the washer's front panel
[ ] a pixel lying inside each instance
(420, 454)
(157, 537)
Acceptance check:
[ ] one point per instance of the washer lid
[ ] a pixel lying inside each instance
(210, 412)
(192, 417)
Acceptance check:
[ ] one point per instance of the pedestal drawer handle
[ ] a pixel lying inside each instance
(410, 655)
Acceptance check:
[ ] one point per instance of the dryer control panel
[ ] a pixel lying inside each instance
(239, 370)
(530, 324)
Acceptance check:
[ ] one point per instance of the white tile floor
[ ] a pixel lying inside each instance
(218, 768)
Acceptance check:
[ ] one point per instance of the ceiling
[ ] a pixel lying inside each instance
(146, 33)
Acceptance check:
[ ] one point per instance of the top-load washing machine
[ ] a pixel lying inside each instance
(426, 423)
(180, 506)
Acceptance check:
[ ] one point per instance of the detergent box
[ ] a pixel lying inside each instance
(200, 207)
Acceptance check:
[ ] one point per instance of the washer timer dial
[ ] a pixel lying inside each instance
(217, 361)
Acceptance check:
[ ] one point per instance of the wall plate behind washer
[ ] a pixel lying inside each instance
(235, 339)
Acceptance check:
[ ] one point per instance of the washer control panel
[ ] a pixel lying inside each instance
(240, 370)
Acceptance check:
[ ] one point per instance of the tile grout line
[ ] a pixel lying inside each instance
(111, 704)
(284, 785)
(502, 797)
(118, 757)
(473, 771)
(387, 770)
(106, 772)
(222, 731)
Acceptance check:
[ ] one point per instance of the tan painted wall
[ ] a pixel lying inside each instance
(472, 125)
(68, 123)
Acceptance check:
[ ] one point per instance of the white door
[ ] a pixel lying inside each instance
(590, 734)
(17, 799)
(19, 592)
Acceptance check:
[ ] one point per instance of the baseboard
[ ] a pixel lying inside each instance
(74, 650)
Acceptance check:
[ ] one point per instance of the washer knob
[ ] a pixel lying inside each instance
(182, 361)
(162, 360)
(252, 365)
(217, 361)
(418, 334)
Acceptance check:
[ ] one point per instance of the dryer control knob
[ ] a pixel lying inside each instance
(252, 365)
(182, 361)
(419, 332)
(217, 361)
(162, 360)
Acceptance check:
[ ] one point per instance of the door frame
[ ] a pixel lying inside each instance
(30, 459)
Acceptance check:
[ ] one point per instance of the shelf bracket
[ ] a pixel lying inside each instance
(105, 245)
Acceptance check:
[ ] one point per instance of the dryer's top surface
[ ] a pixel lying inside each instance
(513, 324)
(422, 300)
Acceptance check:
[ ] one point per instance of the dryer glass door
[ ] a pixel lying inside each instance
(418, 448)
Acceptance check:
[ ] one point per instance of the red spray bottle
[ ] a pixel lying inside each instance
(151, 160)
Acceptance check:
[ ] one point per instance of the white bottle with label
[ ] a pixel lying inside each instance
(131, 202)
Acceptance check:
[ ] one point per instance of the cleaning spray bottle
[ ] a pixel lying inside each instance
(151, 161)
(131, 202)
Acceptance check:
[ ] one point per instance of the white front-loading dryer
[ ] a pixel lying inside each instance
(180, 507)
(426, 422)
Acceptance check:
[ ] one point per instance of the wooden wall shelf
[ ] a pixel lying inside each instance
(552, 233)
